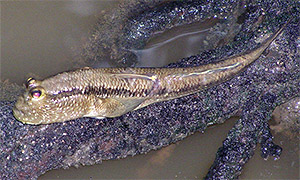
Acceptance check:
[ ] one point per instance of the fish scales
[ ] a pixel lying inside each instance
(112, 92)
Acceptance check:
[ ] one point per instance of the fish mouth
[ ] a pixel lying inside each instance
(18, 113)
(18, 109)
(21, 116)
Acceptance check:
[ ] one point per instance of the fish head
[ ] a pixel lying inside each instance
(39, 106)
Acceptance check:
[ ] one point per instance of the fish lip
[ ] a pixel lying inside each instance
(17, 112)
(18, 108)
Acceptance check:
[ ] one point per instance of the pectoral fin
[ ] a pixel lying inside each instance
(147, 102)
(131, 104)
(112, 107)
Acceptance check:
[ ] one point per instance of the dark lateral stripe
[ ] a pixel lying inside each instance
(104, 92)
(108, 92)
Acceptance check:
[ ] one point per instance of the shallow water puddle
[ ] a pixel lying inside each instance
(175, 44)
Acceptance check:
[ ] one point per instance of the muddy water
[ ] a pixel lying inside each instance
(39, 37)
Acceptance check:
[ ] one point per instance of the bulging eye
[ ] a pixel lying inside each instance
(31, 82)
(37, 93)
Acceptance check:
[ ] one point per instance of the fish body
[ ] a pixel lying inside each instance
(112, 92)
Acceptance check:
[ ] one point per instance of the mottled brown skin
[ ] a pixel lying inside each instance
(112, 92)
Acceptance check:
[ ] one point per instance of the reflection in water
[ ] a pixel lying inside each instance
(177, 43)
(165, 52)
